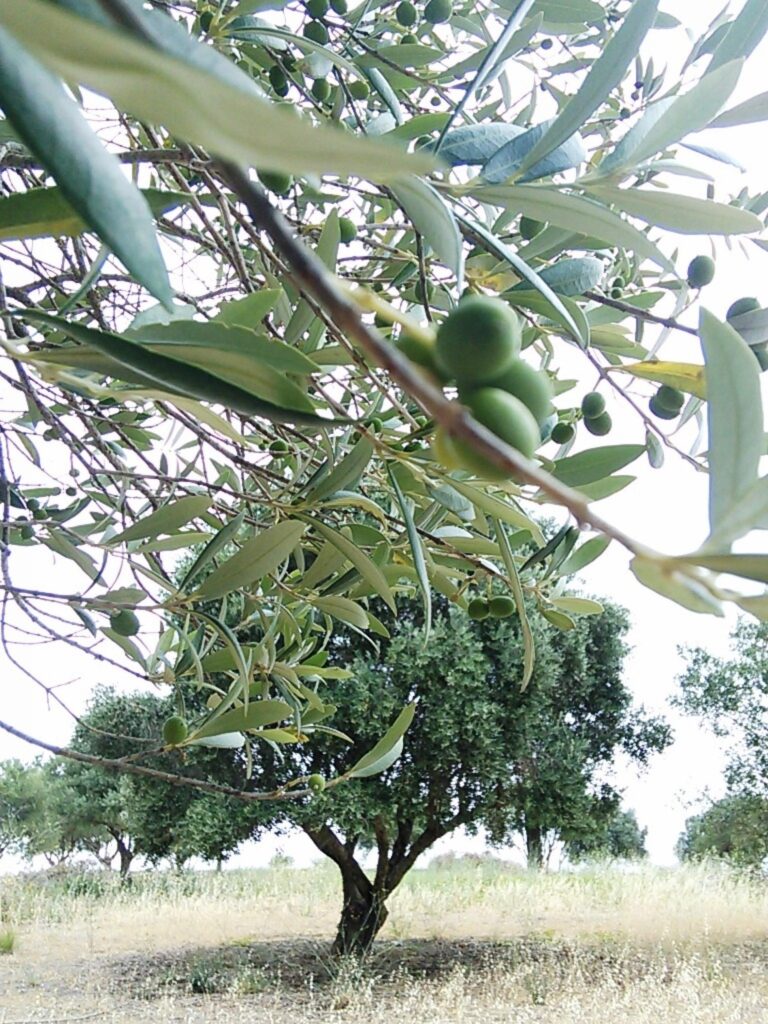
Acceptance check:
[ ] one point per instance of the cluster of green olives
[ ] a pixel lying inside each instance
(499, 607)
(436, 12)
(596, 419)
(315, 29)
(478, 346)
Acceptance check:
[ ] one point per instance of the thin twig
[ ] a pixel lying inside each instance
(641, 314)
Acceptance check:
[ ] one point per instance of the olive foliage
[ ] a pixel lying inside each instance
(730, 696)
(239, 366)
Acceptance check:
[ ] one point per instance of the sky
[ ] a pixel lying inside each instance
(665, 508)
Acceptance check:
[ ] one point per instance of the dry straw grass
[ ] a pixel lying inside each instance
(468, 942)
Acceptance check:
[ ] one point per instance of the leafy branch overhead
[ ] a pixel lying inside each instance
(307, 306)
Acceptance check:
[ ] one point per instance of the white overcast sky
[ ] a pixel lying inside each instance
(666, 509)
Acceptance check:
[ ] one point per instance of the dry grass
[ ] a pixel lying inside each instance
(471, 942)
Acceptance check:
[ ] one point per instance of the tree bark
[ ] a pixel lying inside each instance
(364, 911)
(362, 917)
(534, 848)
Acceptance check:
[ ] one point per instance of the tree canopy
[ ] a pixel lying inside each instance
(730, 695)
(616, 837)
(480, 754)
(734, 829)
(289, 375)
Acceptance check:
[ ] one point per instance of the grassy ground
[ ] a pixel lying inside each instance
(467, 942)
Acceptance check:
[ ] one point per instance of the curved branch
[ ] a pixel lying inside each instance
(453, 416)
(172, 779)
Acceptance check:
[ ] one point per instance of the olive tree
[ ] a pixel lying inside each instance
(481, 753)
(290, 288)
(616, 836)
(733, 829)
(41, 815)
(730, 696)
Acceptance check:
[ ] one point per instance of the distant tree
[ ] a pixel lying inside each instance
(38, 815)
(481, 753)
(98, 801)
(733, 829)
(619, 837)
(731, 696)
(23, 810)
(154, 819)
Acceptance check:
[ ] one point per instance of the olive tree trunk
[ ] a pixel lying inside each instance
(362, 917)
(364, 909)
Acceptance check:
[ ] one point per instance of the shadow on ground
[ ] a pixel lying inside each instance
(248, 968)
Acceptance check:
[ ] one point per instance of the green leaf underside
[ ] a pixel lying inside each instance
(347, 471)
(364, 565)
(431, 216)
(751, 567)
(603, 77)
(248, 311)
(684, 214)
(529, 647)
(417, 553)
(165, 371)
(584, 555)
(596, 464)
(670, 120)
(42, 212)
(343, 609)
(227, 533)
(224, 343)
(750, 111)
(388, 741)
(572, 211)
(748, 512)
(167, 519)
(258, 713)
(675, 586)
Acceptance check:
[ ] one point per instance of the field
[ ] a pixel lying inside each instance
(467, 941)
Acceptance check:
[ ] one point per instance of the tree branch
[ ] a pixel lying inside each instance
(128, 768)
(312, 273)
(20, 161)
(309, 270)
(400, 845)
(640, 314)
(429, 836)
(328, 843)
(382, 846)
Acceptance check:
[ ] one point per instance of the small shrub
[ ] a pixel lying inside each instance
(208, 975)
(7, 941)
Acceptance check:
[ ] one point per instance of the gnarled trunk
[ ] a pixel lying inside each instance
(365, 911)
(362, 916)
